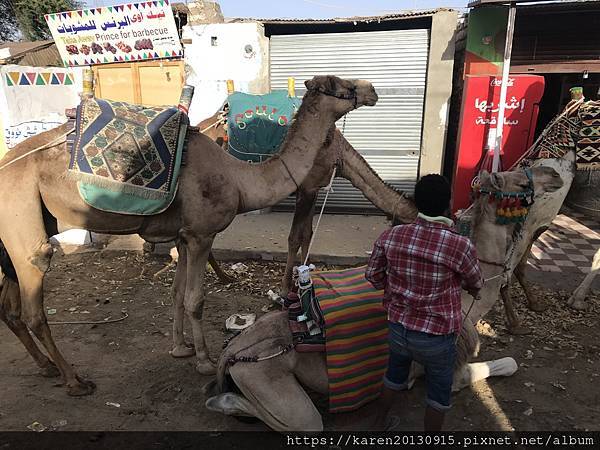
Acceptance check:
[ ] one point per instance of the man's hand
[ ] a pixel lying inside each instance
(475, 293)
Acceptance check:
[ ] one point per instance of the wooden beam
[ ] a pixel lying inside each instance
(557, 67)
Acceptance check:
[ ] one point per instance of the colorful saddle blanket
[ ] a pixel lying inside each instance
(588, 145)
(127, 157)
(355, 329)
(258, 124)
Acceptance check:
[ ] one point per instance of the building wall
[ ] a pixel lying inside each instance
(215, 53)
(438, 91)
(34, 99)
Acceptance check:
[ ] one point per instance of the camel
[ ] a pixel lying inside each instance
(265, 389)
(563, 129)
(213, 188)
(349, 164)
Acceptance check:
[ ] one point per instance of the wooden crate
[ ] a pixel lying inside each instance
(152, 83)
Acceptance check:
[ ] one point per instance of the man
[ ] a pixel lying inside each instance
(421, 268)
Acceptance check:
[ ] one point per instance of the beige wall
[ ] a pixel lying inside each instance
(437, 91)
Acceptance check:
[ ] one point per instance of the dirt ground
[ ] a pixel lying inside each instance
(140, 387)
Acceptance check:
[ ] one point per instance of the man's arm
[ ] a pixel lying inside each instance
(471, 271)
(376, 269)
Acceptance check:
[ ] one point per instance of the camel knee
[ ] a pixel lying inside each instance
(36, 322)
(194, 308)
(41, 258)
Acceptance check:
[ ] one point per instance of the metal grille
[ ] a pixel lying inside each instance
(387, 135)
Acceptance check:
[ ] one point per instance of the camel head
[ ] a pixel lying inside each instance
(341, 95)
(543, 180)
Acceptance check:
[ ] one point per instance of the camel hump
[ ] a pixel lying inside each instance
(8, 270)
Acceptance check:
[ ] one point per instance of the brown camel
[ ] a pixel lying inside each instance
(350, 165)
(213, 188)
(267, 388)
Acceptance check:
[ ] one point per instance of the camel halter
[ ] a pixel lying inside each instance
(350, 96)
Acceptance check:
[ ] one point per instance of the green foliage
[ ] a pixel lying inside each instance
(30, 16)
(8, 22)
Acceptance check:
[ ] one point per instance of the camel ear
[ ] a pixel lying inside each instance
(497, 181)
(311, 84)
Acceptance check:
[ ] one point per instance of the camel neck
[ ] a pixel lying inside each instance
(362, 176)
(492, 242)
(265, 184)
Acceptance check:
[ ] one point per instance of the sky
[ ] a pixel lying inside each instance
(315, 9)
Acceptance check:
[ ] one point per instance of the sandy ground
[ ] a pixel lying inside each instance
(140, 387)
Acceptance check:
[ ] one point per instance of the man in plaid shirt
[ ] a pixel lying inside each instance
(421, 268)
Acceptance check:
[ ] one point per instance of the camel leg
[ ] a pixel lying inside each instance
(11, 318)
(180, 348)
(223, 276)
(30, 271)
(577, 300)
(197, 249)
(276, 396)
(513, 323)
(301, 227)
(473, 372)
(533, 301)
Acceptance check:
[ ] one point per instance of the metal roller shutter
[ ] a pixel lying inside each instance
(387, 135)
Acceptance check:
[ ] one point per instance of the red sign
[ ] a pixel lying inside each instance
(478, 125)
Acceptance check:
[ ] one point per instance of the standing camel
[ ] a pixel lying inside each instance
(268, 387)
(213, 188)
(349, 164)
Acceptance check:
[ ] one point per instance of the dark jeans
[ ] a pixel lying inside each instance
(436, 353)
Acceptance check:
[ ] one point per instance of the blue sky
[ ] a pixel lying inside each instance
(316, 9)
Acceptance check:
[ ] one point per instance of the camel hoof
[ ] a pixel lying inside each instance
(576, 303)
(81, 387)
(49, 371)
(226, 279)
(519, 330)
(538, 307)
(205, 368)
(182, 351)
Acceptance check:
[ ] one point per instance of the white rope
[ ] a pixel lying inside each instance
(327, 191)
(59, 140)
(219, 121)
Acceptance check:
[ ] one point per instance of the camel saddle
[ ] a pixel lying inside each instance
(258, 124)
(354, 334)
(125, 157)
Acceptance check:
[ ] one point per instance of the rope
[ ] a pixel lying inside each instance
(86, 322)
(327, 191)
(59, 140)
(220, 120)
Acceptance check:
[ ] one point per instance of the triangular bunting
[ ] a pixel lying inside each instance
(80, 13)
(110, 8)
(129, 6)
(64, 15)
(9, 81)
(155, 3)
(14, 76)
(99, 10)
(173, 53)
(23, 81)
(31, 77)
(161, 3)
(126, 58)
(116, 59)
(120, 58)
(86, 12)
(61, 75)
(39, 81)
(167, 2)
(149, 4)
(70, 13)
(46, 77)
(68, 80)
(93, 11)
(55, 79)
(156, 55)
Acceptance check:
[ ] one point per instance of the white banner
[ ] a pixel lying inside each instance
(129, 32)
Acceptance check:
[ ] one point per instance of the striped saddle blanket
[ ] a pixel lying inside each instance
(355, 334)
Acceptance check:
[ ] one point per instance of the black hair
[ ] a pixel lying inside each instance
(6, 264)
(432, 195)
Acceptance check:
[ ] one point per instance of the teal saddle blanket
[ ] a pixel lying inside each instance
(257, 124)
(127, 157)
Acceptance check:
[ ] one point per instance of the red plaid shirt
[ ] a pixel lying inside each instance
(421, 267)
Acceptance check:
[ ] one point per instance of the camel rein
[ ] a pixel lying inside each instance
(59, 140)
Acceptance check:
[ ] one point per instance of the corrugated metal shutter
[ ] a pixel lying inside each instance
(387, 135)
